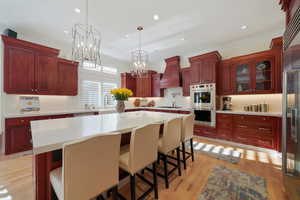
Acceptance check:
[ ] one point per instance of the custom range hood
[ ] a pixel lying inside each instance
(171, 77)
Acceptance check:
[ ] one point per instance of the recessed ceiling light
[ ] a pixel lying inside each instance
(127, 36)
(243, 27)
(182, 39)
(66, 32)
(156, 17)
(77, 10)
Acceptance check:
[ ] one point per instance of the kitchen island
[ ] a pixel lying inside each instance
(49, 136)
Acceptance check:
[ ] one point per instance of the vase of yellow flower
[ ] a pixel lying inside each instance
(121, 95)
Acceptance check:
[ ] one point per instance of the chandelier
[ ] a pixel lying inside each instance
(86, 42)
(139, 57)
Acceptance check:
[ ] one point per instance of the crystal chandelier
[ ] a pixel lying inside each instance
(139, 57)
(86, 42)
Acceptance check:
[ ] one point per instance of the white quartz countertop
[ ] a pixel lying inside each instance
(271, 114)
(50, 135)
(45, 113)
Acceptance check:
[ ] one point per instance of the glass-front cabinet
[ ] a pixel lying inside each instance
(264, 75)
(243, 78)
(254, 76)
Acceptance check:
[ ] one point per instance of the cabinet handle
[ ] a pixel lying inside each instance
(36, 90)
(241, 126)
(264, 129)
(32, 90)
(30, 141)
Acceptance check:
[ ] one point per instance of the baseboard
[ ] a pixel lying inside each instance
(241, 145)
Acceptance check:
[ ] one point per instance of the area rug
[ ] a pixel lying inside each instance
(231, 184)
(218, 152)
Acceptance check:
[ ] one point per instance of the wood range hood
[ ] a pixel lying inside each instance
(171, 77)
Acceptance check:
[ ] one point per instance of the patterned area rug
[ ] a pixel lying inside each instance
(218, 152)
(231, 184)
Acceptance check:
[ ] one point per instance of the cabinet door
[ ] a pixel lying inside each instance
(225, 80)
(156, 90)
(143, 87)
(129, 82)
(264, 75)
(46, 74)
(67, 78)
(195, 72)
(242, 78)
(207, 71)
(18, 139)
(186, 82)
(19, 71)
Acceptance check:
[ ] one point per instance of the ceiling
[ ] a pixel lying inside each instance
(202, 23)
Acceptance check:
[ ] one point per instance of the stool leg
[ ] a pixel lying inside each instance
(115, 193)
(192, 149)
(132, 187)
(166, 176)
(178, 161)
(183, 155)
(155, 180)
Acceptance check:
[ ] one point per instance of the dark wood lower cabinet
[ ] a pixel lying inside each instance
(260, 131)
(18, 132)
(205, 131)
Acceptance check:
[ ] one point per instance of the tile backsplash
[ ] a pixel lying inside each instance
(168, 99)
(273, 100)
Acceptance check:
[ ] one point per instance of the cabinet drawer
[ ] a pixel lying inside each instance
(205, 131)
(253, 120)
(224, 134)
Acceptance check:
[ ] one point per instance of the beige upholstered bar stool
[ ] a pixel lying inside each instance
(187, 134)
(170, 141)
(90, 167)
(141, 152)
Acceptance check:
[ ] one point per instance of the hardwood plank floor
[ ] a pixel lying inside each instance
(16, 176)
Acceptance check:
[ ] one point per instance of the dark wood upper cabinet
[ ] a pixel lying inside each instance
(18, 70)
(225, 85)
(46, 76)
(31, 68)
(156, 90)
(142, 86)
(129, 81)
(204, 68)
(186, 81)
(257, 73)
(67, 77)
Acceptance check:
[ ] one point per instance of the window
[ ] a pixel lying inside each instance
(96, 83)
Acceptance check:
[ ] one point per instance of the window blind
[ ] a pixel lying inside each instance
(90, 93)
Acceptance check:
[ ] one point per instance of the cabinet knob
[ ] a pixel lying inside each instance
(22, 120)
(32, 90)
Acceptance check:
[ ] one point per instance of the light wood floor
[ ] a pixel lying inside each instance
(16, 176)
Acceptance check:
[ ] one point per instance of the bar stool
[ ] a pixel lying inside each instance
(90, 167)
(170, 141)
(187, 134)
(141, 152)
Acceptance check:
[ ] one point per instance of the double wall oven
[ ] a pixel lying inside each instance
(203, 103)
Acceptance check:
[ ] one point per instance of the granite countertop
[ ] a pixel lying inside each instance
(271, 114)
(50, 135)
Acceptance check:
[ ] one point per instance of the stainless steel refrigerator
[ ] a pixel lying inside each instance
(291, 107)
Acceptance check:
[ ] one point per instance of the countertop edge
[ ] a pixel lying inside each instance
(271, 114)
